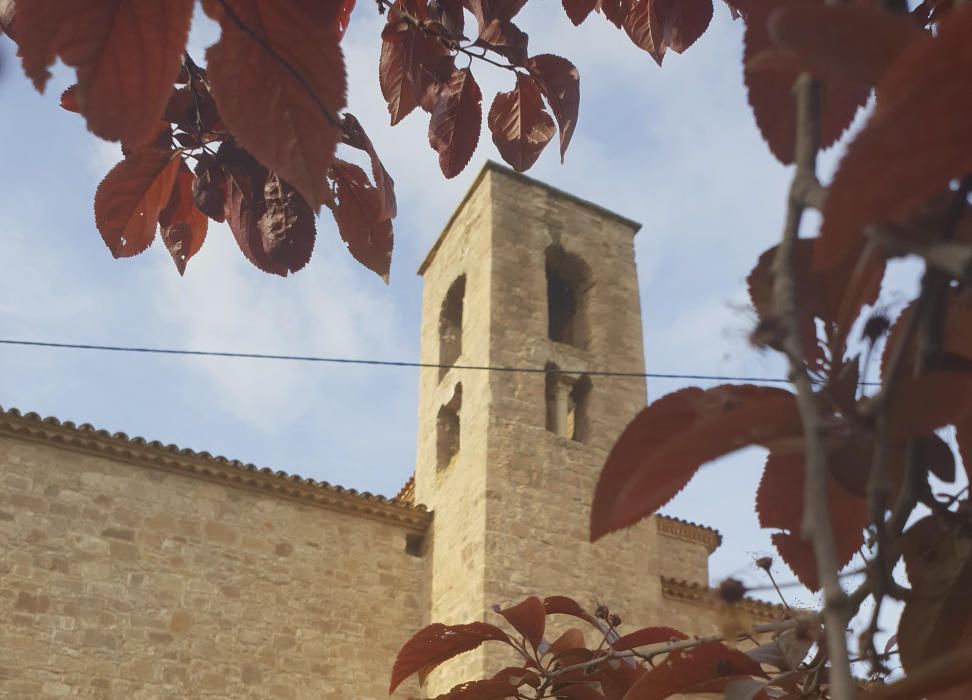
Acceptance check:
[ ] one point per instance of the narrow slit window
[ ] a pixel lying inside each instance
(578, 418)
(450, 326)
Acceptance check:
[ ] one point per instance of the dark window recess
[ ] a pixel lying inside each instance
(413, 544)
(450, 326)
(562, 306)
(447, 431)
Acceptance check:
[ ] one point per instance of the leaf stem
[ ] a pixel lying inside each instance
(816, 526)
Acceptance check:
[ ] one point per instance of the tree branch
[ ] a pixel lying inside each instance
(816, 525)
(938, 674)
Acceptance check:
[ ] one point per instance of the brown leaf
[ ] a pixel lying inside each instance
(182, 225)
(828, 38)
(578, 10)
(127, 55)
(938, 614)
(506, 39)
(662, 448)
(637, 25)
(355, 136)
(646, 636)
(130, 198)
(915, 142)
(280, 85)
(438, 643)
(407, 56)
(779, 504)
(562, 605)
(770, 91)
(559, 82)
(923, 404)
(528, 618)
(677, 24)
(688, 667)
(573, 638)
(357, 210)
(69, 99)
(520, 125)
(209, 188)
(456, 122)
(287, 228)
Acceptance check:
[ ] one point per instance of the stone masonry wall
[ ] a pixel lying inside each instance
(120, 581)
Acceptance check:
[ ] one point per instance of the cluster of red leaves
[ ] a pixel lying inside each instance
(611, 668)
(261, 122)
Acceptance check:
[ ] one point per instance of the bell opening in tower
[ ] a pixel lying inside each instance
(566, 287)
(450, 325)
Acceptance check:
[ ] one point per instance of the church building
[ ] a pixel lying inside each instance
(135, 570)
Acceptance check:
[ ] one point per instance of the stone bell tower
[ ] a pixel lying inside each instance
(527, 276)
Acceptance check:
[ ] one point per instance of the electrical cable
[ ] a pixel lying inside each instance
(393, 363)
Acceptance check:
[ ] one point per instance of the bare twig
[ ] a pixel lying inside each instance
(816, 525)
(938, 674)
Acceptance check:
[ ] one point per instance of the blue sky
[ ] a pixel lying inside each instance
(674, 148)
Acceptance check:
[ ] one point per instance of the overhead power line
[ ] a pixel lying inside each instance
(392, 363)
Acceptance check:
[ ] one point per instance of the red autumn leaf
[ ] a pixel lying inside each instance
(506, 39)
(456, 122)
(578, 10)
(209, 188)
(130, 198)
(688, 667)
(923, 404)
(438, 643)
(938, 615)
(407, 56)
(127, 55)
(916, 141)
(528, 618)
(615, 11)
(579, 692)
(357, 210)
(662, 448)
(779, 505)
(488, 689)
(637, 25)
(355, 136)
(562, 605)
(770, 91)
(69, 99)
(646, 636)
(572, 638)
(449, 14)
(677, 24)
(182, 225)
(559, 82)
(485, 11)
(828, 38)
(280, 86)
(520, 125)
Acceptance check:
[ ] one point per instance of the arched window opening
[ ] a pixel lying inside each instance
(447, 431)
(450, 325)
(566, 400)
(578, 419)
(567, 282)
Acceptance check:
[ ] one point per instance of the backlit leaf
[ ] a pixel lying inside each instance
(355, 136)
(127, 54)
(828, 38)
(357, 209)
(677, 24)
(688, 667)
(520, 125)
(209, 188)
(662, 448)
(409, 61)
(779, 505)
(128, 201)
(438, 643)
(934, 400)
(280, 86)
(938, 616)
(287, 229)
(528, 618)
(916, 141)
(456, 122)
(559, 82)
(182, 225)
(771, 91)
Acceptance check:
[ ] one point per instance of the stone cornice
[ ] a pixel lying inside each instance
(683, 529)
(154, 455)
(696, 593)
